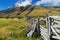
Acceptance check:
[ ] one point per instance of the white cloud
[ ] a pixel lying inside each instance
(25, 3)
(53, 2)
(46, 2)
(37, 3)
(56, 2)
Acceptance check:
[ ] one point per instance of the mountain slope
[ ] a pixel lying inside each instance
(30, 11)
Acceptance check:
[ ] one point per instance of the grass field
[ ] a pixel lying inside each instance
(13, 29)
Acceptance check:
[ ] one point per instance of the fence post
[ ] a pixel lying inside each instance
(38, 26)
(49, 28)
(50, 20)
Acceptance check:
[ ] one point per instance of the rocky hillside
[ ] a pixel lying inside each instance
(30, 11)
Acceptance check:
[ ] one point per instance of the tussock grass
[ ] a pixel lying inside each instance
(14, 29)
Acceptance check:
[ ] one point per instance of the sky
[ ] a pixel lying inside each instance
(5, 4)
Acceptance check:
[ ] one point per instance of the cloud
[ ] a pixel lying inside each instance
(24, 3)
(53, 2)
(48, 2)
(41, 2)
(37, 3)
(56, 2)
(45, 1)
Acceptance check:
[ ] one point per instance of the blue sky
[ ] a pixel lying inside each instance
(4, 4)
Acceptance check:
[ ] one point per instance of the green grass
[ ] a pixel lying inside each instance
(14, 29)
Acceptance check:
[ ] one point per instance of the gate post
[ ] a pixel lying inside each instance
(49, 28)
(50, 21)
(38, 27)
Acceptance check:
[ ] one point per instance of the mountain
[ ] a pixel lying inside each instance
(30, 11)
(13, 12)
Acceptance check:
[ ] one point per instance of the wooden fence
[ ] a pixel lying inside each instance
(51, 32)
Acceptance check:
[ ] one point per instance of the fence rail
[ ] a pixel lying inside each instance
(53, 27)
